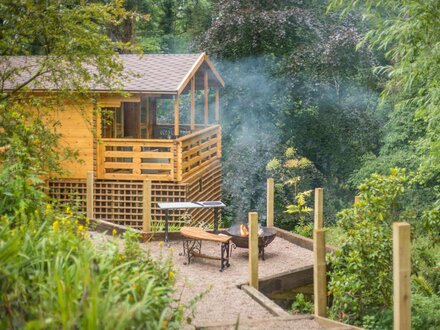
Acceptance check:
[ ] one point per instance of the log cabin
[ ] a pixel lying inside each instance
(159, 141)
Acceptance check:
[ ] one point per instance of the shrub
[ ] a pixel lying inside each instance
(294, 176)
(361, 276)
(51, 277)
(302, 306)
(425, 312)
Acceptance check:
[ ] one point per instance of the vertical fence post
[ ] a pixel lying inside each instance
(319, 206)
(356, 199)
(146, 206)
(319, 266)
(402, 275)
(253, 249)
(270, 202)
(90, 186)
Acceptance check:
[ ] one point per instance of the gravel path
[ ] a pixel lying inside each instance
(222, 300)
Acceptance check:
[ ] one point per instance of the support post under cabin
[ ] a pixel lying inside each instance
(146, 206)
(402, 275)
(270, 202)
(253, 249)
(90, 188)
(319, 265)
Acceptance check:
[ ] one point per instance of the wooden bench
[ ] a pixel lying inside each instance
(192, 245)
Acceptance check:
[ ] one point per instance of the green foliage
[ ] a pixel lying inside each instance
(302, 306)
(294, 175)
(302, 212)
(71, 36)
(293, 77)
(380, 321)
(366, 250)
(407, 32)
(425, 312)
(51, 277)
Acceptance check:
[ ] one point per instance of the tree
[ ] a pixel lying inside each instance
(407, 31)
(294, 78)
(77, 53)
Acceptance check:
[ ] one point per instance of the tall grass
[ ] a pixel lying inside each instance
(52, 277)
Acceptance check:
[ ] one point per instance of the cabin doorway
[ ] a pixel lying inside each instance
(132, 120)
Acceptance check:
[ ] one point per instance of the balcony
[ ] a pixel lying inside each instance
(158, 159)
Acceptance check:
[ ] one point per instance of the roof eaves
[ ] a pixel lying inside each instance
(214, 71)
(191, 72)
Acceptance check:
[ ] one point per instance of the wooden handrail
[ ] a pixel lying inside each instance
(137, 140)
(195, 134)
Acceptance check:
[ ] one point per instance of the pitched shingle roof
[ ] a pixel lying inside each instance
(147, 73)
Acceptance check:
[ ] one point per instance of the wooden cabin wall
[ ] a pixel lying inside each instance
(76, 129)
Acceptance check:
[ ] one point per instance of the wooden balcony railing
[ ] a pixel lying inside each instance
(135, 159)
(158, 159)
(198, 150)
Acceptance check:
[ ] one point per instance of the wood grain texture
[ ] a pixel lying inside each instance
(146, 206)
(253, 249)
(205, 98)
(319, 206)
(270, 202)
(319, 272)
(77, 134)
(402, 275)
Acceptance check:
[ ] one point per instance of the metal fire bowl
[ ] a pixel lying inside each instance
(243, 242)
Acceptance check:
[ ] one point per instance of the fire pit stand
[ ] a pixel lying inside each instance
(264, 240)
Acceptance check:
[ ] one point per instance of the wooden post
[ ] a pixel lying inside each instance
(217, 105)
(402, 275)
(319, 266)
(319, 205)
(90, 188)
(146, 206)
(356, 199)
(270, 202)
(193, 105)
(253, 249)
(206, 99)
(176, 116)
(319, 272)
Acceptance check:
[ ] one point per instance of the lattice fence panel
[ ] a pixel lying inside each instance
(119, 202)
(69, 192)
(167, 193)
(205, 188)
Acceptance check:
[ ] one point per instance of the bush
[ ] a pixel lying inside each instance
(425, 312)
(361, 276)
(51, 277)
(302, 306)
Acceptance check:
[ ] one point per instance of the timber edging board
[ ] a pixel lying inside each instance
(250, 323)
(264, 301)
(301, 241)
(288, 280)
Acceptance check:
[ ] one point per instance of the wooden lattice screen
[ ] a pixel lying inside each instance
(119, 202)
(122, 202)
(71, 192)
